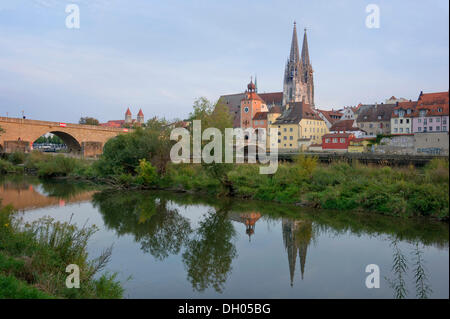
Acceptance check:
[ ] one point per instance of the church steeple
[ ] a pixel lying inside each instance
(298, 76)
(305, 51)
(294, 56)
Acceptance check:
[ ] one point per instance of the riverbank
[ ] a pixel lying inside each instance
(394, 191)
(34, 257)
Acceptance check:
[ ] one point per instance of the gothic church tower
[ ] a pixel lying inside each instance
(298, 76)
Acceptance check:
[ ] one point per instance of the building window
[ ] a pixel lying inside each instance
(407, 130)
(401, 130)
(246, 109)
(284, 137)
(335, 140)
(279, 141)
(291, 138)
(291, 129)
(407, 121)
(327, 140)
(419, 120)
(342, 140)
(438, 128)
(420, 129)
(371, 125)
(396, 121)
(444, 128)
(290, 144)
(438, 119)
(401, 121)
(431, 120)
(284, 129)
(395, 130)
(431, 128)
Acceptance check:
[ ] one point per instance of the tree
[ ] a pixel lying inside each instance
(88, 121)
(121, 155)
(217, 116)
(209, 255)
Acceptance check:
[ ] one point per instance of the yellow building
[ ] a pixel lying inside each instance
(273, 114)
(298, 123)
(359, 145)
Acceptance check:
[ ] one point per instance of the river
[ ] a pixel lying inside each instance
(169, 245)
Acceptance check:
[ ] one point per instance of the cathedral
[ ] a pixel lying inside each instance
(298, 85)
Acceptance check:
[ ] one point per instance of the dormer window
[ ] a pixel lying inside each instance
(401, 113)
(379, 117)
(408, 111)
(422, 112)
(439, 109)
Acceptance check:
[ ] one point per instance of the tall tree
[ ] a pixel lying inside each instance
(88, 121)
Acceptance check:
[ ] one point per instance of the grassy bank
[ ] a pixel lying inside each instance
(34, 256)
(395, 191)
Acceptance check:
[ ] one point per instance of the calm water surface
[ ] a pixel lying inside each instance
(186, 246)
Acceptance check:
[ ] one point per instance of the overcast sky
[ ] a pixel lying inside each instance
(162, 55)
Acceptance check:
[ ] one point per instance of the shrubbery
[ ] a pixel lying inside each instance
(34, 255)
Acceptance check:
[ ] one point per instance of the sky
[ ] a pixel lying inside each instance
(162, 55)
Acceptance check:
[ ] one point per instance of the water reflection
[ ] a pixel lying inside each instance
(208, 246)
(297, 235)
(210, 252)
(160, 230)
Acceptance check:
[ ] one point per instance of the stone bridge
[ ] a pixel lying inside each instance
(87, 140)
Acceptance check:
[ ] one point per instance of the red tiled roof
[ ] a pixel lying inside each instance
(113, 123)
(337, 135)
(432, 102)
(344, 125)
(275, 97)
(328, 115)
(275, 109)
(404, 106)
(260, 116)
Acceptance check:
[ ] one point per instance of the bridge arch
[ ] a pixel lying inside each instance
(73, 145)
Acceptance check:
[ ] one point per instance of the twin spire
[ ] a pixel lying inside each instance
(295, 54)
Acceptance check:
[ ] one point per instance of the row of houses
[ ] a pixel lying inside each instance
(301, 127)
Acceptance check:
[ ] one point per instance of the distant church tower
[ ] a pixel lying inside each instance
(128, 119)
(140, 117)
(298, 76)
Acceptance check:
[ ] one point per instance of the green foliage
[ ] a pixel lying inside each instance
(58, 165)
(88, 121)
(7, 167)
(36, 254)
(147, 174)
(121, 155)
(51, 139)
(13, 288)
(17, 158)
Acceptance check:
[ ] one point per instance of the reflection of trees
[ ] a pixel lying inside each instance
(161, 231)
(400, 268)
(209, 254)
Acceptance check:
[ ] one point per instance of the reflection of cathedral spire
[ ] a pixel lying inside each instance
(296, 237)
(248, 219)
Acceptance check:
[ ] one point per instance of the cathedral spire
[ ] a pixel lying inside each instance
(294, 56)
(305, 51)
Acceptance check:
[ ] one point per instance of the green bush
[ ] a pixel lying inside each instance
(36, 254)
(17, 158)
(58, 165)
